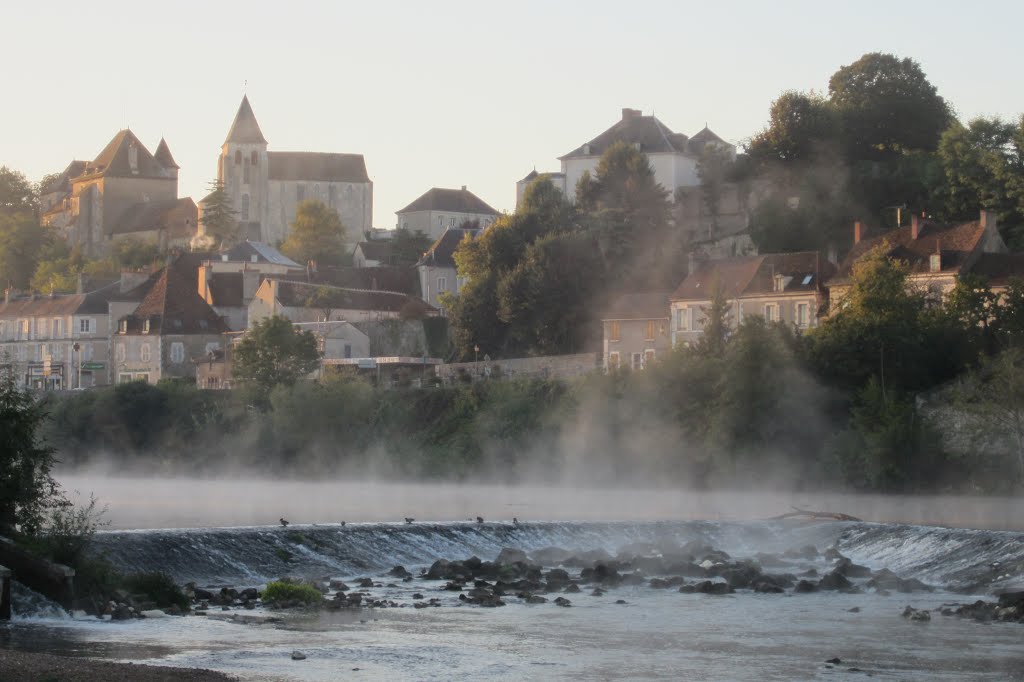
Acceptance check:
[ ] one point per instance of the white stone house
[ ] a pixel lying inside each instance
(443, 209)
(438, 274)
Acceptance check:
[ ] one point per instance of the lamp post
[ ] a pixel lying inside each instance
(76, 348)
(476, 359)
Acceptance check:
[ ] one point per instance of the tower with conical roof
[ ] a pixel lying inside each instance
(242, 168)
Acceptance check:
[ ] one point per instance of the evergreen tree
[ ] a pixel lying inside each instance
(220, 220)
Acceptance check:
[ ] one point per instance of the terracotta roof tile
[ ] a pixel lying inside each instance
(173, 305)
(639, 306)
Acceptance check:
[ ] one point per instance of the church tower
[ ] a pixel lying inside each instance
(242, 168)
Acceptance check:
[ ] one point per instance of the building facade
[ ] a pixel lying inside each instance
(265, 187)
(437, 271)
(636, 331)
(444, 209)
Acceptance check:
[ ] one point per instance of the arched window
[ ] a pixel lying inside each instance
(238, 157)
(245, 207)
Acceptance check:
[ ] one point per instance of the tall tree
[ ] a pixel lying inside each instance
(992, 399)
(17, 195)
(800, 126)
(21, 240)
(317, 234)
(220, 220)
(887, 107)
(408, 247)
(274, 352)
(27, 489)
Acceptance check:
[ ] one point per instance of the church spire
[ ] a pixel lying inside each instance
(163, 155)
(245, 129)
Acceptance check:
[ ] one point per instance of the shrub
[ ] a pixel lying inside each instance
(159, 587)
(282, 591)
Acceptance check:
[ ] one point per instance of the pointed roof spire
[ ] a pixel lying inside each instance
(163, 155)
(245, 129)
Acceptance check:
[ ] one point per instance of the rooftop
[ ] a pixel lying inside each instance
(450, 200)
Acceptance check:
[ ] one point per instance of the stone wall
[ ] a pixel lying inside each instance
(546, 367)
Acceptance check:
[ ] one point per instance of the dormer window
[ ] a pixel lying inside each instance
(586, 149)
(780, 283)
(935, 262)
(145, 326)
(122, 326)
(255, 158)
(238, 157)
(133, 158)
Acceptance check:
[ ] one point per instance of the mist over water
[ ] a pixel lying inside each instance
(155, 502)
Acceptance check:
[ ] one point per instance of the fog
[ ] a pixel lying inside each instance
(153, 502)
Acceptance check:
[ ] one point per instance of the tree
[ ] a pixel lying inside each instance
(134, 254)
(887, 106)
(800, 126)
(220, 220)
(21, 239)
(317, 234)
(17, 195)
(27, 490)
(408, 247)
(713, 170)
(717, 320)
(274, 352)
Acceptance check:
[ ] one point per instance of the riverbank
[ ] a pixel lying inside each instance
(18, 666)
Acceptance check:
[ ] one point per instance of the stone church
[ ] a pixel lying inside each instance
(265, 187)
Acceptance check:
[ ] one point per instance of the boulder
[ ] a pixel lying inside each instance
(298, 656)
(707, 587)
(551, 556)
(852, 570)
(919, 615)
(152, 613)
(536, 599)
(438, 570)
(510, 555)
(562, 601)
(834, 581)
(399, 572)
(805, 586)
(1011, 599)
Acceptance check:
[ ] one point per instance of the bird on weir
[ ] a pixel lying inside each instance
(409, 519)
(479, 519)
(284, 522)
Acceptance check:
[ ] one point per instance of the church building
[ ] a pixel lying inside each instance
(265, 187)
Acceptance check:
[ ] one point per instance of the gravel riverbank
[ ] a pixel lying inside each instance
(19, 666)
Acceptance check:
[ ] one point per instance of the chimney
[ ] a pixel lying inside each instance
(915, 226)
(7, 295)
(80, 284)
(858, 232)
(629, 114)
(463, 188)
(988, 220)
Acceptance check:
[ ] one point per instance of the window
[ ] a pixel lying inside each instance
(649, 333)
(177, 353)
(21, 332)
(119, 352)
(133, 158)
(648, 358)
(122, 326)
(245, 207)
(23, 352)
(771, 312)
(211, 347)
(44, 352)
(316, 192)
(145, 326)
(56, 352)
(442, 284)
(348, 350)
(255, 157)
(614, 330)
(86, 352)
(440, 221)
(58, 328)
(145, 353)
(300, 193)
(85, 326)
(684, 319)
(124, 378)
(613, 360)
(637, 363)
(807, 279)
(802, 315)
(238, 157)
(245, 174)
(451, 222)
(43, 327)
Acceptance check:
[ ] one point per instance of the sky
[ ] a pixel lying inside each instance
(445, 94)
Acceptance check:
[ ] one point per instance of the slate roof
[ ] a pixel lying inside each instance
(154, 215)
(651, 134)
(62, 183)
(649, 305)
(313, 166)
(441, 252)
(163, 155)
(264, 253)
(297, 295)
(451, 200)
(956, 244)
(384, 278)
(173, 305)
(379, 249)
(226, 289)
(533, 175)
(754, 276)
(245, 129)
(113, 161)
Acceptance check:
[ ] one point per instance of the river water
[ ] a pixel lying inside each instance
(220, 533)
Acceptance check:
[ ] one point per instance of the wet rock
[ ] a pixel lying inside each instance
(665, 583)
(557, 578)
(536, 599)
(510, 555)
(601, 573)
(809, 573)
(562, 601)
(832, 554)
(598, 592)
(298, 656)
(918, 615)
(834, 661)
(620, 601)
(438, 570)
(399, 572)
(250, 593)
(338, 585)
(834, 581)
(1008, 599)
(203, 595)
(707, 587)
(551, 556)
(591, 558)
(572, 588)
(739, 575)
(805, 586)
(807, 552)
(855, 609)
(852, 570)
(365, 582)
(454, 586)
(887, 580)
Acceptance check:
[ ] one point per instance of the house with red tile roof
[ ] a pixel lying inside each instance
(780, 287)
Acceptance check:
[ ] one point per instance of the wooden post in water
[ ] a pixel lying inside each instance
(5, 593)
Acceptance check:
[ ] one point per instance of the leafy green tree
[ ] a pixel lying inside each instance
(713, 169)
(317, 234)
(887, 106)
(274, 352)
(220, 220)
(17, 195)
(717, 324)
(21, 239)
(972, 305)
(801, 126)
(27, 490)
(131, 253)
(408, 247)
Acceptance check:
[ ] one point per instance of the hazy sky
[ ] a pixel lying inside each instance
(443, 94)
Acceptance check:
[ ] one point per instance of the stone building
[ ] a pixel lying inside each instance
(124, 192)
(443, 209)
(636, 330)
(437, 269)
(673, 156)
(783, 287)
(312, 302)
(265, 187)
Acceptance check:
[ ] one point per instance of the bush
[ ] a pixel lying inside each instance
(159, 587)
(280, 592)
(68, 530)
